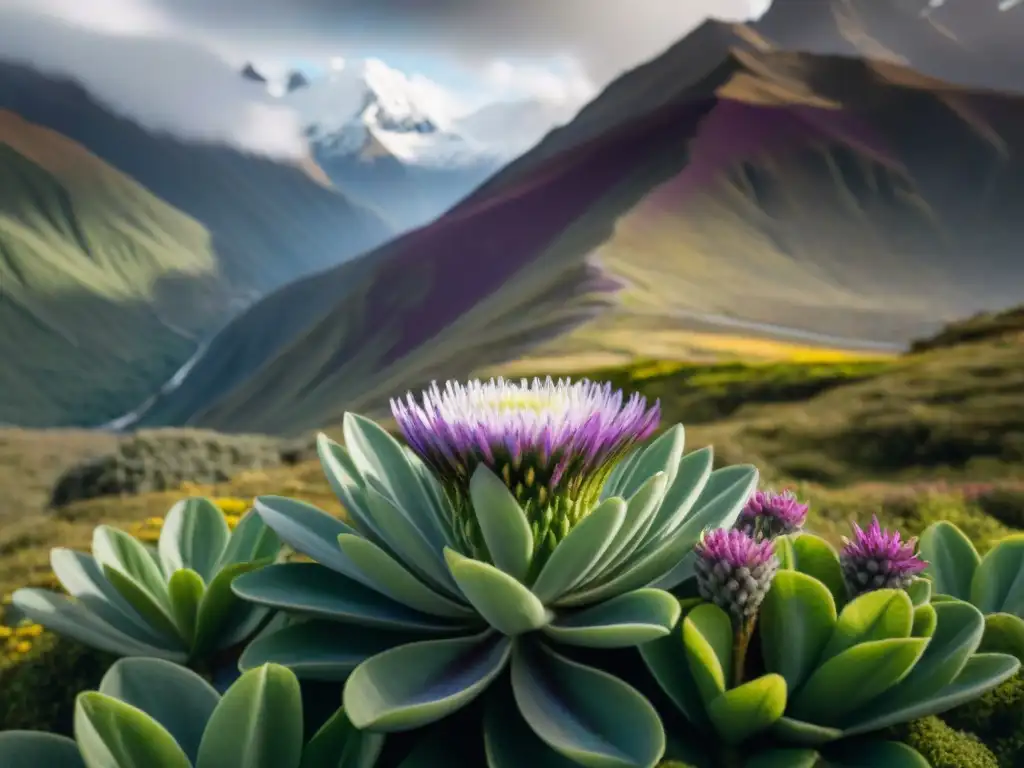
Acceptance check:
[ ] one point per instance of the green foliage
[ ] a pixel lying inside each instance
(998, 719)
(151, 461)
(172, 602)
(39, 687)
(149, 713)
(472, 619)
(946, 747)
(979, 327)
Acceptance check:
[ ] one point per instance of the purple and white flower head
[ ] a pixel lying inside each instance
(768, 514)
(552, 443)
(735, 571)
(878, 559)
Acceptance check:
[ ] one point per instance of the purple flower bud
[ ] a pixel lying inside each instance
(768, 514)
(878, 559)
(552, 443)
(734, 571)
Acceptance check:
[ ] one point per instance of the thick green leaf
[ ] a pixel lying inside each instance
(784, 552)
(951, 557)
(660, 455)
(788, 730)
(796, 622)
(257, 724)
(861, 673)
(627, 620)
(876, 754)
(877, 615)
(321, 650)
(420, 683)
(998, 585)
(748, 709)
(662, 553)
(958, 632)
(393, 579)
(309, 531)
(382, 461)
(309, 589)
(692, 474)
(982, 673)
(349, 486)
(66, 617)
(111, 733)
(500, 599)
(783, 758)
(666, 660)
(223, 619)
(174, 696)
(1004, 633)
(115, 549)
(251, 540)
(577, 553)
(510, 743)
(920, 591)
(408, 542)
(583, 713)
(441, 519)
(816, 557)
(925, 621)
(502, 522)
(194, 535)
(339, 744)
(640, 510)
(35, 749)
(185, 588)
(157, 611)
(720, 501)
(83, 579)
(708, 639)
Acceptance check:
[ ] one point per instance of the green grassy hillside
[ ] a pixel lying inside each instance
(105, 288)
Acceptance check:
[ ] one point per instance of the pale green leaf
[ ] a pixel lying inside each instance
(796, 621)
(257, 724)
(112, 733)
(631, 619)
(174, 696)
(584, 713)
(951, 557)
(416, 684)
(194, 536)
(499, 598)
(36, 749)
(748, 709)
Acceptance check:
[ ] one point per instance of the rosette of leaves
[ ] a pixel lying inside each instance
(994, 584)
(172, 601)
(431, 594)
(151, 713)
(822, 668)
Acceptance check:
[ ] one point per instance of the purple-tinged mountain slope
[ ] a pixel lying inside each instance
(844, 195)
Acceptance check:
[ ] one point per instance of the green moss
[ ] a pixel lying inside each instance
(39, 688)
(946, 747)
(998, 719)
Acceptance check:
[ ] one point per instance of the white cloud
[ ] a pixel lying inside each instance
(162, 82)
(566, 85)
(173, 64)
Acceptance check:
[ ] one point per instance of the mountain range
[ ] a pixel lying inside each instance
(122, 249)
(381, 138)
(846, 173)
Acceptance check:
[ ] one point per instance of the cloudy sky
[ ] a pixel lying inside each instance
(172, 64)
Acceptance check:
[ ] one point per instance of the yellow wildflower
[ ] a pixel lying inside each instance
(23, 647)
(5, 631)
(29, 630)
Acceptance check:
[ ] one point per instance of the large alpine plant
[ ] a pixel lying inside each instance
(522, 524)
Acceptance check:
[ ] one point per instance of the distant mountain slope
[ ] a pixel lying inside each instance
(103, 287)
(728, 181)
(270, 222)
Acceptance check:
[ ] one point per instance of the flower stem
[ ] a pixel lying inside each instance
(740, 645)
